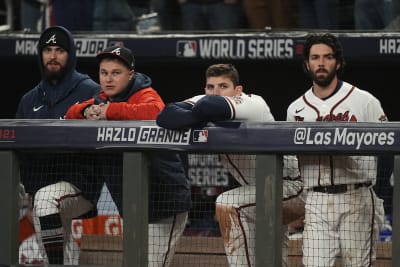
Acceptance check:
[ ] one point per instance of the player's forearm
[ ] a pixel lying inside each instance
(184, 120)
(212, 108)
(76, 111)
(175, 116)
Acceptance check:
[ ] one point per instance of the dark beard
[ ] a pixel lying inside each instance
(322, 81)
(53, 77)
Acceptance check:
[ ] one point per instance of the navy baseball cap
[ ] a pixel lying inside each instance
(120, 52)
(54, 36)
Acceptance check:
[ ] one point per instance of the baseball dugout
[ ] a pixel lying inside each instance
(82, 143)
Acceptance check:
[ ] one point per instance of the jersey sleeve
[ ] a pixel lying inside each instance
(212, 108)
(243, 107)
(177, 116)
(375, 111)
(250, 108)
(194, 112)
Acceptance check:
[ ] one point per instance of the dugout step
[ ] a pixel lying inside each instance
(197, 251)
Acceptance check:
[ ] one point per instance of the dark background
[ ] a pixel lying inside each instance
(279, 82)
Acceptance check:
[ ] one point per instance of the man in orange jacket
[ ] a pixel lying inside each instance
(128, 95)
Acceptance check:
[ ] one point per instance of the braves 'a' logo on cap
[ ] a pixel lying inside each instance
(117, 51)
(52, 39)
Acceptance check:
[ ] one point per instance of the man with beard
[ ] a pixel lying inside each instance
(61, 85)
(54, 178)
(342, 212)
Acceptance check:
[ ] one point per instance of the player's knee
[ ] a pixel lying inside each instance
(55, 191)
(43, 194)
(47, 199)
(58, 189)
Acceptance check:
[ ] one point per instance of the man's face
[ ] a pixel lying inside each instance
(222, 86)
(114, 76)
(322, 65)
(54, 61)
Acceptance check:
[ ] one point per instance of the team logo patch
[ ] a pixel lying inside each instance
(200, 136)
(238, 99)
(52, 39)
(186, 48)
(117, 51)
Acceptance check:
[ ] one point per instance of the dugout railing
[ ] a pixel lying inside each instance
(268, 140)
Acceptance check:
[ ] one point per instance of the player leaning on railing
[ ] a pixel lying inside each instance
(128, 95)
(224, 99)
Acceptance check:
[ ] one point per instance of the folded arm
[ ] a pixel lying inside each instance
(187, 114)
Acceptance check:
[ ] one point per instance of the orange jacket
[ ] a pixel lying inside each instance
(144, 104)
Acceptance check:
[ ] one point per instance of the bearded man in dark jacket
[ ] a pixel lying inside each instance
(63, 185)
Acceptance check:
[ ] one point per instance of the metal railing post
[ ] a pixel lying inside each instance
(135, 218)
(269, 210)
(396, 213)
(9, 199)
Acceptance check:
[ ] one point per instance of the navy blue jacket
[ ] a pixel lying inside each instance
(46, 101)
(183, 114)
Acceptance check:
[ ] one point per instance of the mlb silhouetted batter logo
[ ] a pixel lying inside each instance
(186, 49)
(200, 136)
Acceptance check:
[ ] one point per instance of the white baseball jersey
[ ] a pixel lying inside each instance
(236, 208)
(348, 104)
(341, 220)
(246, 107)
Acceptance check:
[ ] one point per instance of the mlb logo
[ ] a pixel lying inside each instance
(186, 49)
(200, 136)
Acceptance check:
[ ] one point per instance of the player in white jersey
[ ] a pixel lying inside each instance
(342, 211)
(224, 99)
